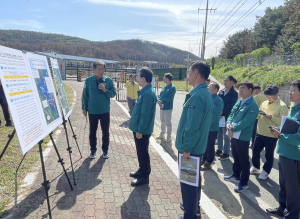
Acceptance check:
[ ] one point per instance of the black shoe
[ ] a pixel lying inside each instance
(275, 211)
(8, 124)
(93, 155)
(198, 213)
(219, 153)
(139, 181)
(224, 157)
(134, 174)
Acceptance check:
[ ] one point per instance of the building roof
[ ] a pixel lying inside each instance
(75, 58)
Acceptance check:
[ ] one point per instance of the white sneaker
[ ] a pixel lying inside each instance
(169, 139)
(254, 170)
(264, 175)
(161, 137)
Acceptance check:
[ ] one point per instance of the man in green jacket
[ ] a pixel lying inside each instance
(288, 148)
(239, 126)
(97, 91)
(165, 102)
(209, 154)
(141, 124)
(193, 130)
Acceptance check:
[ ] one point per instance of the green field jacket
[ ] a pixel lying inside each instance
(166, 96)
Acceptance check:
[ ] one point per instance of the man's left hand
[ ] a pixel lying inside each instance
(268, 116)
(159, 103)
(138, 135)
(186, 156)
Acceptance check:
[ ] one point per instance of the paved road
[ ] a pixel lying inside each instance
(252, 203)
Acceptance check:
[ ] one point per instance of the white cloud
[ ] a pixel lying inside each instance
(20, 23)
(176, 9)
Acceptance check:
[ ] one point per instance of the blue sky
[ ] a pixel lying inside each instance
(171, 22)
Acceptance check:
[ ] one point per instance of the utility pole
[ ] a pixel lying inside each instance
(187, 72)
(216, 51)
(205, 27)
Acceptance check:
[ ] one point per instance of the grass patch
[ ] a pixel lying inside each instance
(180, 85)
(279, 75)
(9, 179)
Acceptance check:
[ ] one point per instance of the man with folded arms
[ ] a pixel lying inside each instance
(165, 102)
(141, 124)
(274, 108)
(289, 163)
(241, 119)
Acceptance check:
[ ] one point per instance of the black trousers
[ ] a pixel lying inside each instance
(241, 164)
(260, 143)
(4, 105)
(104, 123)
(190, 197)
(254, 133)
(289, 184)
(142, 146)
(209, 154)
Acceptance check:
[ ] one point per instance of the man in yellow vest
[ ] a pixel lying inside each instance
(259, 98)
(132, 90)
(274, 108)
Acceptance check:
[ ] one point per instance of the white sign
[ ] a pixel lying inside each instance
(25, 91)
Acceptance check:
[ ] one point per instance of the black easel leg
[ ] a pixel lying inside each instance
(46, 183)
(11, 136)
(74, 136)
(69, 149)
(60, 160)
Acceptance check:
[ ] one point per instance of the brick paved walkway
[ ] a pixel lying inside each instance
(103, 186)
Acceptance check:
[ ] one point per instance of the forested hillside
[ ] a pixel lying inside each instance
(278, 30)
(137, 50)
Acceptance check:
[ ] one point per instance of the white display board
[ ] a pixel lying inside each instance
(30, 94)
(60, 89)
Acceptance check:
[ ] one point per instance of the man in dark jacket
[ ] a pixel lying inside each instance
(4, 106)
(229, 97)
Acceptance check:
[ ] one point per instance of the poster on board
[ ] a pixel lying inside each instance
(22, 99)
(31, 96)
(45, 90)
(60, 89)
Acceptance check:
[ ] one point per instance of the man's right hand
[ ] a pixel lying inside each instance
(84, 112)
(228, 126)
(159, 103)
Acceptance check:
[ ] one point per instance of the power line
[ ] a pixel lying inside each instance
(238, 21)
(226, 18)
(221, 14)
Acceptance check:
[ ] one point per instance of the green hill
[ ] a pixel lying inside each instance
(135, 49)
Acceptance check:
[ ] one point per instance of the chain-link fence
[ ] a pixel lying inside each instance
(274, 60)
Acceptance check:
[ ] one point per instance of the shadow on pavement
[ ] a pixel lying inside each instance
(219, 192)
(137, 206)
(86, 179)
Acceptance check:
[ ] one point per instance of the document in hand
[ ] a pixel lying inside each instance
(288, 125)
(261, 112)
(189, 171)
(235, 135)
(222, 122)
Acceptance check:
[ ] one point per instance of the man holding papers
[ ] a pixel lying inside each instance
(272, 111)
(289, 163)
(193, 130)
(239, 126)
(229, 97)
(209, 154)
